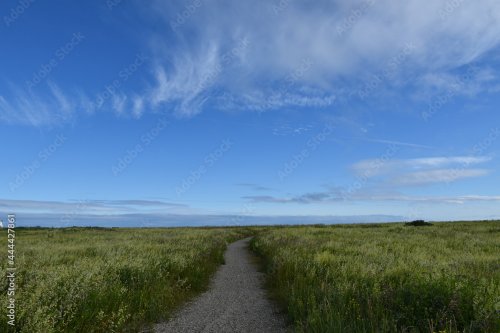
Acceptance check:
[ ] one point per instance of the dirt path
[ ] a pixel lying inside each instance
(235, 301)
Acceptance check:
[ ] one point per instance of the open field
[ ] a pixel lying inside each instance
(108, 280)
(339, 278)
(386, 278)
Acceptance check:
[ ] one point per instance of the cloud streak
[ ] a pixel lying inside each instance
(257, 55)
(29, 108)
(386, 175)
(281, 37)
(255, 187)
(374, 167)
(85, 206)
(437, 176)
(332, 197)
(398, 143)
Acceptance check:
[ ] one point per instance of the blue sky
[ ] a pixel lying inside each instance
(114, 109)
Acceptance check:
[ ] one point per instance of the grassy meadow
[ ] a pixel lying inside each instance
(108, 280)
(386, 277)
(339, 278)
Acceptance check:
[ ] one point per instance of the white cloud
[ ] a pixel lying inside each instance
(376, 167)
(437, 176)
(138, 106)
(29, 108)
(470, 82)
(263, 101)
(337, 196)
(64, 103)
(442, 161)
(273, 54)
(192, 75)
(288, 129)
(85, 206)
(119, 102)
(398, 143)
(342, 41)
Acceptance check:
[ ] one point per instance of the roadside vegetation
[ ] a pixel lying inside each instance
(108, 280)
(386, 277)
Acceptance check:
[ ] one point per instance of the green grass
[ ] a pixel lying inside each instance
(108, 280)
(347, 278)
(387, 277)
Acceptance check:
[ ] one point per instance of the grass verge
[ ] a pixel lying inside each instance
(109, 280)
(386, 277)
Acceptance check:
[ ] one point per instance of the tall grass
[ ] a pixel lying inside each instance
(108, 280)
(386, 278)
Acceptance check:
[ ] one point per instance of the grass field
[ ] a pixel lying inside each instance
(341, 278)
(386, 278)
(108, 280)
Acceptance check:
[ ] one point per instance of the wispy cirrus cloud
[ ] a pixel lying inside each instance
(257, 55)
(335, 196)
(189, 79)
(398, 143)
(470, 83)
(340, 55)
(255, 187)
(437, 176)
(374, 167)
(86, 206)
(30, 108)
(383, 179)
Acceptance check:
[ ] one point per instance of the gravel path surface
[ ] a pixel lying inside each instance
(235, 301)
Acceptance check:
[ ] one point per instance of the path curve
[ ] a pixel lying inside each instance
(235, 301)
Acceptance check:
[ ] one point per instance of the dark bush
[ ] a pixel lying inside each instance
(418, 223)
